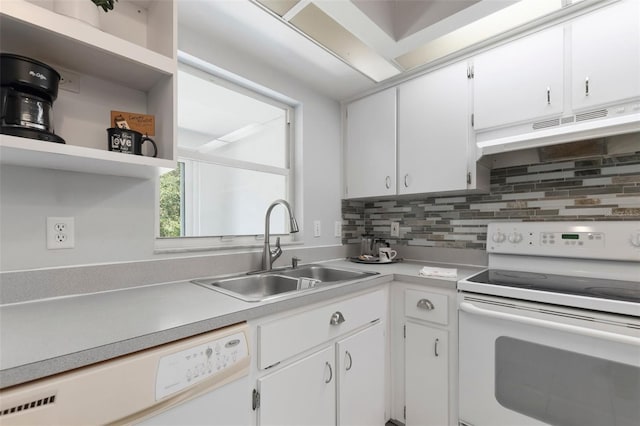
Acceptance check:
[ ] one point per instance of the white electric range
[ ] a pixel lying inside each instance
(550, 333)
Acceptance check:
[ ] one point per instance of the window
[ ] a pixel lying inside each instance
(234, 151)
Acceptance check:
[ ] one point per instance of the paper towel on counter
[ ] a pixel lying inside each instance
(438, 272)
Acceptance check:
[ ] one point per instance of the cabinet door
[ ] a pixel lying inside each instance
(427, 376)
(433, 131)
(605, 55)
(371, 146)
(519, 82)
(300, 394)
(361, 384)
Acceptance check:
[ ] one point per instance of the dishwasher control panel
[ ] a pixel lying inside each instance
(191, 366)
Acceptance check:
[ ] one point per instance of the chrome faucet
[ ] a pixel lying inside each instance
(270, 255)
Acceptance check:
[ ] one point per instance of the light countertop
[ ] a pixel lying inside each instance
(48, 336)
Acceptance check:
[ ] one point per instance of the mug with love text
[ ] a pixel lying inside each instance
(128, 141)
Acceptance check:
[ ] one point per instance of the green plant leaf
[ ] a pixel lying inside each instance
(106, 5)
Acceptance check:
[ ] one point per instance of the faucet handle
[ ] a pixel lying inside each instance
(276, 252)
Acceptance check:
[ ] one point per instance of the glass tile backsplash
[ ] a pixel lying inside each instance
(602, 188)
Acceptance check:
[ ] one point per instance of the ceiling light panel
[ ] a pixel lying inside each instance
(326, 31)
(279, 7)
(503, 20)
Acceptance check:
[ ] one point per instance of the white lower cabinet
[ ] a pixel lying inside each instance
(427, 375)
(424, 354)
(302, 393)
(361, 366)
(324, 365)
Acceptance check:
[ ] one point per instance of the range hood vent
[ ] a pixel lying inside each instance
(616, 120)
(545, 124)
(591, 115)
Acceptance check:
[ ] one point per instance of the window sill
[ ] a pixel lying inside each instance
(212, 244)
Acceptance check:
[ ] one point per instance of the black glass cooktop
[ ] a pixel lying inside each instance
(627, 291)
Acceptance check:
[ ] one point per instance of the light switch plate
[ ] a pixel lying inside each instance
(337, 229)
(395, 229)
(316, 228)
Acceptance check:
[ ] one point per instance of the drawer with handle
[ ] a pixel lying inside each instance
(285, 337)
(426, 306)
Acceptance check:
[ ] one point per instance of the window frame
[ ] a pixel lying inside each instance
(248, 88)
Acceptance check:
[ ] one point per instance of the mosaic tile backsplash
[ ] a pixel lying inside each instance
(602, 188)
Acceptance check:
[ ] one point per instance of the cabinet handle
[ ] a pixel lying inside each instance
(347, 354)
(548, 95)
(387, 182)
(406, 180)
(337, 318)
(425, 304)
(330, 373)
(435, 347)
(586, 86)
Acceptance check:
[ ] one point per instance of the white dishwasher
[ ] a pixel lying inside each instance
(194, 381)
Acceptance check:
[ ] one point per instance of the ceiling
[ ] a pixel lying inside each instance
(345, 47)
(402, 18)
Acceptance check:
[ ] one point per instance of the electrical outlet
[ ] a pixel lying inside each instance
(395, 229)
(69, 80)
(316, 228)
(60, 233)
(337, 229)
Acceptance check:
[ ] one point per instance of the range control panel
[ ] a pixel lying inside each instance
(182, 369)
(614, 240)
(580, 239)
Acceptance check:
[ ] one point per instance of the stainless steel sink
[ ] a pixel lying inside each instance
(324, 274)
(252, 288)
(278, 283)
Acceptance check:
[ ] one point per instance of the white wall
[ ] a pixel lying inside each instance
(115, 216)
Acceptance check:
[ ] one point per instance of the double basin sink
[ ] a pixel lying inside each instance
(282, 282)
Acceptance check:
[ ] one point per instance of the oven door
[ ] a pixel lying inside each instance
(524, 363)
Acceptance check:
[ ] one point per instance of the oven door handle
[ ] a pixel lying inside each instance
(599, 334)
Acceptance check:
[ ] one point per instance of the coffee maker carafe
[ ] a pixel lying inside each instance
(366, 245)
(28, 89)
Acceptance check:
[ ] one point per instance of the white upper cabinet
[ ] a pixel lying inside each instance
(128, 64)
(433, 131)
(370, 152)
(605, 56)
(520, 81)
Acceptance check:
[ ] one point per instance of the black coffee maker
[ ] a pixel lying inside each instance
(29, 88)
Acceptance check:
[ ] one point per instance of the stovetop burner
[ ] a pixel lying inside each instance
(591, 287)
(629, 294)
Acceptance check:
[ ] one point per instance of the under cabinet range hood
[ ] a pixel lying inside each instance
(615, 120)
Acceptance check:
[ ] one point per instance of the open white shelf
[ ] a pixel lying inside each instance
(33, 31)
(129, 64)
(48, 155)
